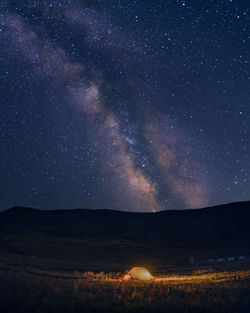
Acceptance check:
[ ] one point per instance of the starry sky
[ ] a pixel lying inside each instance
(135, 105)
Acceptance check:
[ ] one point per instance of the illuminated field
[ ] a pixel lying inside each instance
(200, 291)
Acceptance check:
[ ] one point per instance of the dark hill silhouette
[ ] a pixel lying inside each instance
(223, 222)
(109, 234)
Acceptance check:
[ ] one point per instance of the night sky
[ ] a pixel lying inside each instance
(128, 105)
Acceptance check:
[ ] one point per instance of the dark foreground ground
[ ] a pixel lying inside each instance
(29, 291)
(47, 259)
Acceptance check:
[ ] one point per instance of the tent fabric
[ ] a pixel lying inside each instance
(138, 273)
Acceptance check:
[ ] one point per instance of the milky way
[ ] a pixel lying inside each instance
(118, 141)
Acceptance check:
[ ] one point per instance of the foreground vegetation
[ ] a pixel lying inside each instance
(201, 291)
(51, 245)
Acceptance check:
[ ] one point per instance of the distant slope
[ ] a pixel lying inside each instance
(112, 237)
(226, 223)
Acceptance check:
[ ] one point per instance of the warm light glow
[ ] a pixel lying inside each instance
(138, 273)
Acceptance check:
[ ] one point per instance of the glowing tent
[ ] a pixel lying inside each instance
(138, 273)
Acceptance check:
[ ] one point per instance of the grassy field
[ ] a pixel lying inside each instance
(80, 251)
(46, 259)
(31, 290)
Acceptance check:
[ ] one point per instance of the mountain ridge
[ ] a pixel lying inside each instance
(237, 203)
(231, 218)
(111, 240)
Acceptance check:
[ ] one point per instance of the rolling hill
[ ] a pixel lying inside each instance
(110, 240)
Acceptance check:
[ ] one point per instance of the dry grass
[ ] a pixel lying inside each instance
(23, 290)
